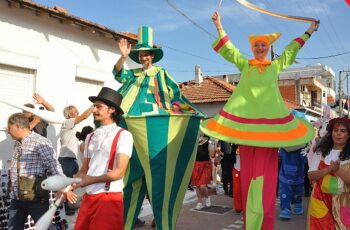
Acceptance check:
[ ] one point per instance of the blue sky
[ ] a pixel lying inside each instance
(186, 45)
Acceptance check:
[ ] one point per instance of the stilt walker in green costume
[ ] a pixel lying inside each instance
(256, 118)
(165, 128)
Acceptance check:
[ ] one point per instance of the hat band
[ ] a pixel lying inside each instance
(298, 132)
(273, 121)
(139, 46)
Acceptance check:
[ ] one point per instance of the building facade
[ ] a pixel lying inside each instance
(49, 51)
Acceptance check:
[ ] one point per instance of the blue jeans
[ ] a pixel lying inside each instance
(290, 194)
(19, 211)
(69, 165)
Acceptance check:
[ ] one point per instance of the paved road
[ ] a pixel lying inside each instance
(190, 219)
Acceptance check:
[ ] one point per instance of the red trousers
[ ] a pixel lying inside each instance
(101, 211)
(257, 163)
(237, 194)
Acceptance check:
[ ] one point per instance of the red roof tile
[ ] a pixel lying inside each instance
(210, 90)
(214, 90)
(63, 14)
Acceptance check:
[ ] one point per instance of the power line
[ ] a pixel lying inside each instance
(329, 56)
(189, 19)
(194, 55)
(196, 24)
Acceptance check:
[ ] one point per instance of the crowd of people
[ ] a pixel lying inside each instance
(145, 142)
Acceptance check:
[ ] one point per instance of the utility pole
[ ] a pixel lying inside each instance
(340, 91)
(347, 93)
(340, 101)
(272, 53)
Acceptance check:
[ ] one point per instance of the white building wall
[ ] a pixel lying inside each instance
(210, 109)
(57, 54)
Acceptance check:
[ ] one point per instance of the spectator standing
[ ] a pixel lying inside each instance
(237, 192)
(291, 181)
(329, 205)
(82, 137)
(228, 154)
(33, 157)
(202, 173)
(70, 145)
(36, 123)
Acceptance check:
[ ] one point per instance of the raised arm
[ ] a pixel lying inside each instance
(124, 48)
(84, 115)
(313, 27)
(290, 52)
(39, 99)
(217, 22)
(223, 45)
(36, 120)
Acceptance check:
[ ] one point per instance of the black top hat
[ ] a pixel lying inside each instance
(110, 97)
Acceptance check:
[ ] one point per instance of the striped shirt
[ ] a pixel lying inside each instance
(36, 156)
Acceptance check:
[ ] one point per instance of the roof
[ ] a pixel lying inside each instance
(210, 90)
(214, 90)
(63, 16)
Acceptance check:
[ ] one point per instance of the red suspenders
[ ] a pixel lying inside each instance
(111, 156)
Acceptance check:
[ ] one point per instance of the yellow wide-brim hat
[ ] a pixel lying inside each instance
(266, 38)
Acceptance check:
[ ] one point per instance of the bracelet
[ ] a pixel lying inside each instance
(307, 33)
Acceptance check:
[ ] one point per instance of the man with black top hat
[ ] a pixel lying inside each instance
(106, 157)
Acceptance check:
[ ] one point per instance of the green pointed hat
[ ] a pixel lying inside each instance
(145, 42)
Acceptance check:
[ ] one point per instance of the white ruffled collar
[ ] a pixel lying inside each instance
(102, 133)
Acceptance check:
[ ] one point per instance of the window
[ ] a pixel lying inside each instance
(84, 88)
(17, 87)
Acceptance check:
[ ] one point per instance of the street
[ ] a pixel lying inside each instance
(191, 219)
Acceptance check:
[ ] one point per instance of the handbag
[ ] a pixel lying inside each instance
(29, 187)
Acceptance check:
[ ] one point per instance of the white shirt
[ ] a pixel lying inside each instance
(69, 142)
(98, 150)
(332, 156)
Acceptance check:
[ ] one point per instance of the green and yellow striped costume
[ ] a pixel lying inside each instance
(164, 144)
